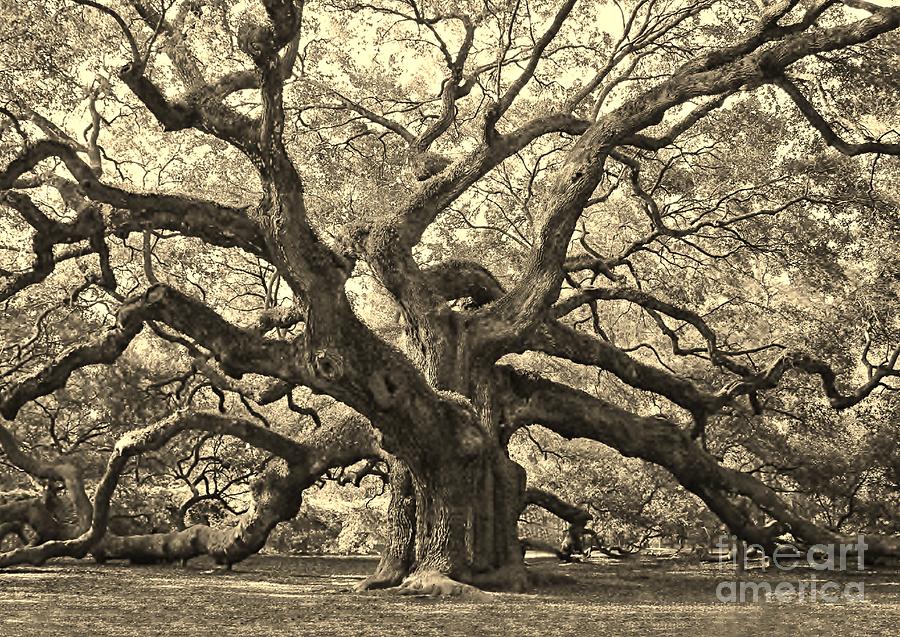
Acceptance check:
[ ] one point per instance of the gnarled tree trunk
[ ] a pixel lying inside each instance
(466, 503)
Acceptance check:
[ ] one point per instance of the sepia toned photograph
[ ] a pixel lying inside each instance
(411, 318)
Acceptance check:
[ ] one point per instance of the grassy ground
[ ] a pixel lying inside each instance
(276, 596)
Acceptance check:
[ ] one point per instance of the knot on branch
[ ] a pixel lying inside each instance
(769, 67)
(256, 40)
(384, 390)
(131, 70)
(328, 364)
(381, 239)
(491, 116)
(354, 239)
(458, 411)
(131, 310)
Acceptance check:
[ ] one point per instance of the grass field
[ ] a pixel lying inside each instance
(275, 596)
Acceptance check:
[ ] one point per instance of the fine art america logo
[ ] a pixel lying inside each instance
(821, 558)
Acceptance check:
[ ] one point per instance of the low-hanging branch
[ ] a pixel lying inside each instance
(576, 414)
(277, 492)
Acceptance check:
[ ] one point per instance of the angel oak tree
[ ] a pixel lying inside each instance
(640, 77)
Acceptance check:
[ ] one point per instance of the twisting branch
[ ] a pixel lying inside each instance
(800, 361)
(277, 491)
(129, 36)
(62, 471)
(49, 233)
(831, 138)
(201, 107)
(451, 90)
(718, 73)
(556, 339)
(576, 517)
(104, 349)
(200, 112)
(576, 414)
(237, 350)
(219, 224)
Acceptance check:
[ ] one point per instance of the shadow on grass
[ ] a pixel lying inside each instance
(275, 595)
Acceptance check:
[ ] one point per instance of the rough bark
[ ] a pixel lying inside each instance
(398, 556)
(467, 511)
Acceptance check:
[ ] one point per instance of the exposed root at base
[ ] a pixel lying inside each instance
(434, 584)
(387, 575)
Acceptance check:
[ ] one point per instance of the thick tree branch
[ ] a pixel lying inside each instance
(277, 492)
(88, 225)
(220, 225)
(808, 364)
(720, 73)
(686, 123)
(104, 349)
(556, 339)
(198, 109)
(451, 90)
(576, 517)
(435, 194)
(575, 414)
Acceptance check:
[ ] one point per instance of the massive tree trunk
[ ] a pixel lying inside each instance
(466, 520)
(467, 496)
(480, 496)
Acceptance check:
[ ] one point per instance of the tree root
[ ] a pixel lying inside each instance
(389, 574)
(434, 584)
